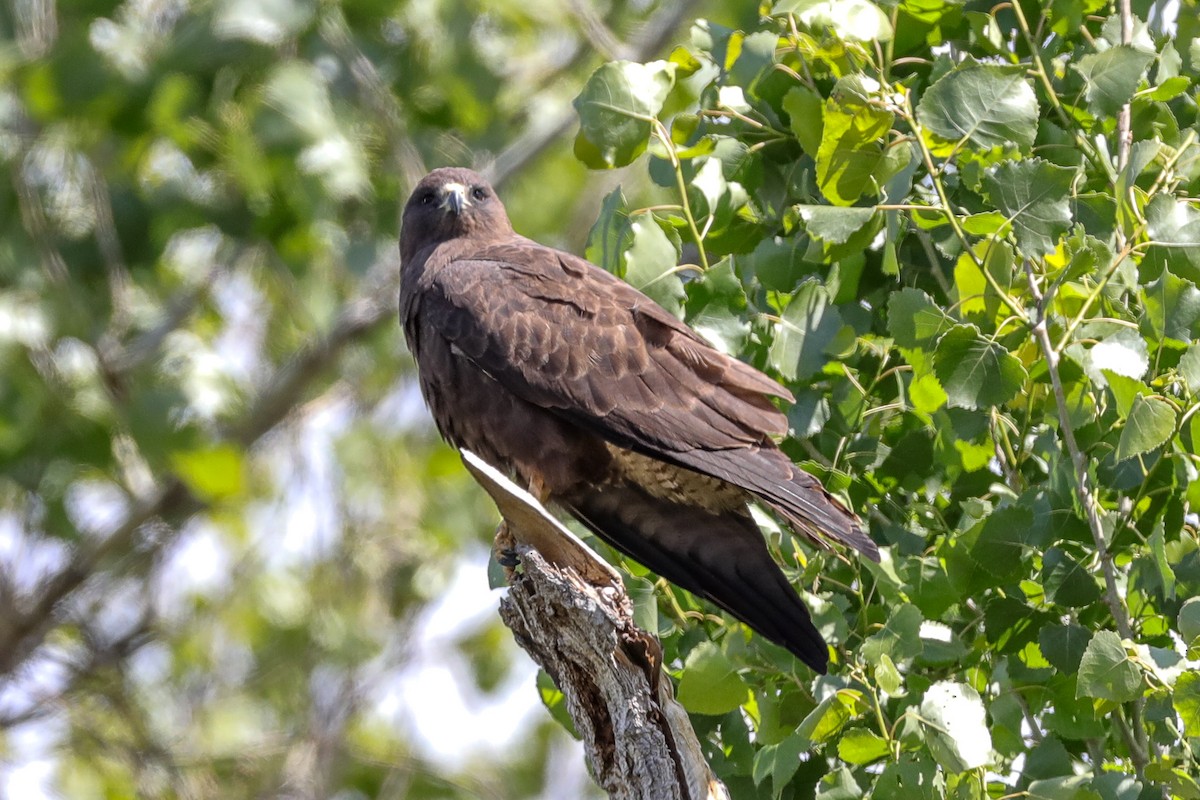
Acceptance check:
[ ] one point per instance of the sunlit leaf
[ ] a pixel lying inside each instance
(1105, 671)
(1034, 196)
(956, 726)
(617, 108)
(986, 104)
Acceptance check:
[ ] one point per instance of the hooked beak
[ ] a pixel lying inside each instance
(454, 198)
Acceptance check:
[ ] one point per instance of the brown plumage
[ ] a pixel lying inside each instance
(608, 406)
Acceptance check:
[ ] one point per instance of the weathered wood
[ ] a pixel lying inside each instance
(569, 610)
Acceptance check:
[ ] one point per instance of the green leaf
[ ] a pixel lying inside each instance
(975, 371)
(1065, 580)
(650, 263)
(213, 473)
(1172, 308)
(1170, 88)
(709, 683)
(1151, 423)
(609, 236)
(830, 716)
(851, 20)
(899, 639)
(986, 104)
(888, 677)
(1174, 228)
(716, 307)
(1105, 671)
(851, 149)
(977, 300)
(1189, 368)
(1189, 620)
(1075, 787)
(956, 726)
(809, 325)
(1063, 645)
(1124, 353)
(1186, 700)
(839, 785)
(1003, 542)
(861, 746)
(1035, 196)
(806, 117)
(616, 110)
(779, 762)
(913, 777)
(914, 319)
(1112, 77)
(834, 224)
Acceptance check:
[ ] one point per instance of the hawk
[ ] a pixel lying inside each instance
(608, 407)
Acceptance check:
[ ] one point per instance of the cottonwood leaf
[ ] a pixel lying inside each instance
(914, 319)
(1065, 580)
(833, 224)
(1002, 543)
(839, 785)
(716, 305)
(1172, 307)
(1150, 424)
(851, 149)
(1035, 196)
(610, 235)
(806, 114)
(1112, 77)
(710, 684)
(1124, 353)
(1189, 620)
(852, 20)
(616, 111)
(1063, 645)
(779, 762)
(975, 371)
(807, 327)
(988, 105)
(650, 263)
(1174, 229)
(956, 726)
(1186, 700)
(861, 746)
(1189, 368)
(1105, 671)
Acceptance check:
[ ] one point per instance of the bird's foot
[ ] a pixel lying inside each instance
(504, 550)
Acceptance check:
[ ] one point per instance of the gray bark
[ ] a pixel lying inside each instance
(569, 610)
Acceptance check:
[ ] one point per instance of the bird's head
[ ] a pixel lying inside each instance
(447, 204)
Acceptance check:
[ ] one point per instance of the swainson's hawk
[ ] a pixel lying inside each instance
(607, 406)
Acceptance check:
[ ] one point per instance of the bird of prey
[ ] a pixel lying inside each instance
(607, 406)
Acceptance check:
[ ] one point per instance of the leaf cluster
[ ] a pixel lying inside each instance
(930, 222)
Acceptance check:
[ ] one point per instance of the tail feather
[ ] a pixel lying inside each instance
(798, 496)
(720, 557)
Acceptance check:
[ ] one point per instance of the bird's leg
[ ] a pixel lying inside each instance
(504, 548)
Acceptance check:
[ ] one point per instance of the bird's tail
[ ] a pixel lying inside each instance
(721, 557)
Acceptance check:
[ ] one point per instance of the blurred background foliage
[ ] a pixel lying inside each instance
(234, 559)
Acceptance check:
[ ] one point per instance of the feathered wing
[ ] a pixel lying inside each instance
(730, 565)
(569, 337)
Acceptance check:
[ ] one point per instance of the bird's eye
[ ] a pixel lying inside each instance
(427, 199)
(478, 193)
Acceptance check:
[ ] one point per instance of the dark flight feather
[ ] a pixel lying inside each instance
(558, 371)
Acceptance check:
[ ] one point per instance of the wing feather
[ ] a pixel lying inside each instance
(572, 338)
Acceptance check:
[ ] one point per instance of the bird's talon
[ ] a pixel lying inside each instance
(508, 558)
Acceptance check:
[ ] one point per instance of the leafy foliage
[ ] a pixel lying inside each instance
(225, 521)
(987, 308)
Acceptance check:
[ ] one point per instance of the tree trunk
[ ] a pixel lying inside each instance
(569, 610)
